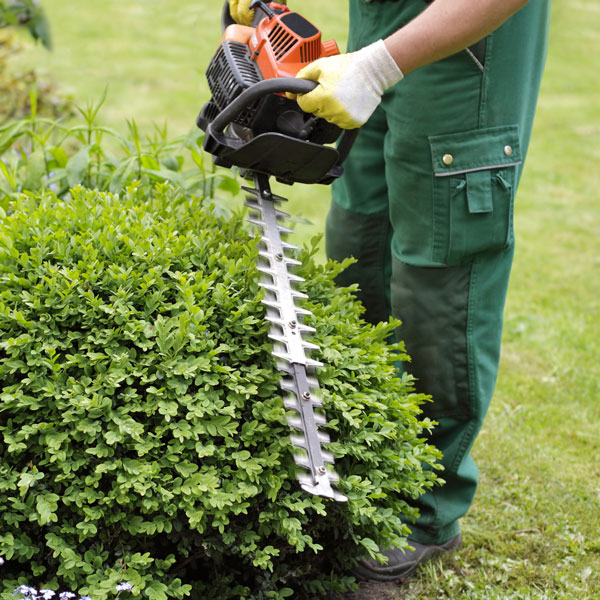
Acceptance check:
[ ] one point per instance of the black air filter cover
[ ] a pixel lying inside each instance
(299, 25)
(230, 72)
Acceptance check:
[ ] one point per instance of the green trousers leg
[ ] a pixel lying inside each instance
(426, 207)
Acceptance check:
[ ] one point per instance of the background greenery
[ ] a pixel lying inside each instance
(534, 530)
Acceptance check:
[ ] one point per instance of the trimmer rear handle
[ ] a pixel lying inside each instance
(254, 93)
(259, 90)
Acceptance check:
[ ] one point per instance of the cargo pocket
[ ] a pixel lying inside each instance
(475, 176)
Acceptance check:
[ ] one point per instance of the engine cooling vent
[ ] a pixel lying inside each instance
(310, 51)
(282, 41)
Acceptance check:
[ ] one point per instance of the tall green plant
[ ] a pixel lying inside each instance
(38, 153)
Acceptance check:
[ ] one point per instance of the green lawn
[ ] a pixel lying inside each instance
(534, 530)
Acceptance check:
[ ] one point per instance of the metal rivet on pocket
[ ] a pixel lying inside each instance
(447, 159)
(508, 150)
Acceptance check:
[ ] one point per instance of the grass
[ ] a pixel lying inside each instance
(534, 529)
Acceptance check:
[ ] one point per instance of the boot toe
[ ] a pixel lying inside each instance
(403, 563)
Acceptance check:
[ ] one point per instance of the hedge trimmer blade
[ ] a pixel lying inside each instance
(287, 332)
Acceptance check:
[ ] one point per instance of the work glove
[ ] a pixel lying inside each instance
(240, 11)
(350, 85)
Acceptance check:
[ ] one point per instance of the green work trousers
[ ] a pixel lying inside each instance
(425, 205)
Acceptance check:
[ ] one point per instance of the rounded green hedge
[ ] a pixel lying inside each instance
(142, 434)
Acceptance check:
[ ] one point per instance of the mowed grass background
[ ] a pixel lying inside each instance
(534, 529)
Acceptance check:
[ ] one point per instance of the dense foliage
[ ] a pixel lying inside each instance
(142, 435)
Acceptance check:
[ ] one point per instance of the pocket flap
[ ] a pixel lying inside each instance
(475, 150)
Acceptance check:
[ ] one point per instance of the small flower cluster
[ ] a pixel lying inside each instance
(29, 593)
(33, 594)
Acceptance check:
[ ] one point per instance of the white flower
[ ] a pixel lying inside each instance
(1, 561)
(26, 591)
(124, 587)
(47, 594)
(66, 595)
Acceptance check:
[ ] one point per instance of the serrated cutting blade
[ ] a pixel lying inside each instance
(287, 331)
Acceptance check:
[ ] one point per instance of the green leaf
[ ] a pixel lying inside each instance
(35, 171)
(76, 168)
(10, 133)
(229, 184)
(157, 591)
(46, 505)
(371, 547)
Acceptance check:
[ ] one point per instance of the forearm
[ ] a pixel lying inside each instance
(446, 27)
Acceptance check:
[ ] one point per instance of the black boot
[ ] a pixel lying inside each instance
(402, 563)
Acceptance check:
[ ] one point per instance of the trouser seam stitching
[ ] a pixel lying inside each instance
(472, 374)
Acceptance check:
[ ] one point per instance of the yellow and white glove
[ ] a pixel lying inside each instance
(240, 11)
(350, 85)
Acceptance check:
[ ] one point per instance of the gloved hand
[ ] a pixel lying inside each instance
(351, 85)
(240, 11)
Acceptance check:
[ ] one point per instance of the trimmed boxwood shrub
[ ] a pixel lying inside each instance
(142, 434)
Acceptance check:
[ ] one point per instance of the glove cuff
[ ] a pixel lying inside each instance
(382, 69)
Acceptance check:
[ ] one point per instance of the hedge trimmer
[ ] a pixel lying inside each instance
(251, 124)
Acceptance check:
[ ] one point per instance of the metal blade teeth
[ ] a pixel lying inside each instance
(285, 368)
(284, 355)
(305, 481)
(289, 346)
(309, 346)
(292, 404)
(285, 230)
(274, 320)
(266, 270)
(271, 287)
(295, 422)
(290, 385)
(300, 442)
(302, 460)
(287, 246)
(267, 254)
(299, 295)
(271, 303)
(255, 192)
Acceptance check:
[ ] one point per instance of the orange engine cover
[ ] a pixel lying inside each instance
(284, 44)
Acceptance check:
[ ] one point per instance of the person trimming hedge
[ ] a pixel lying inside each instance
(426, 204)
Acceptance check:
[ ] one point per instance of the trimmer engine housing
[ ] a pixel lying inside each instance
(282, 43)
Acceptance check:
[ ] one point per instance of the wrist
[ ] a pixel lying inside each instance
(379, 67)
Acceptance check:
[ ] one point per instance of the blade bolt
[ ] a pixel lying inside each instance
(321, 470)
(279, 257)
(306, 396)
(292, 324)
